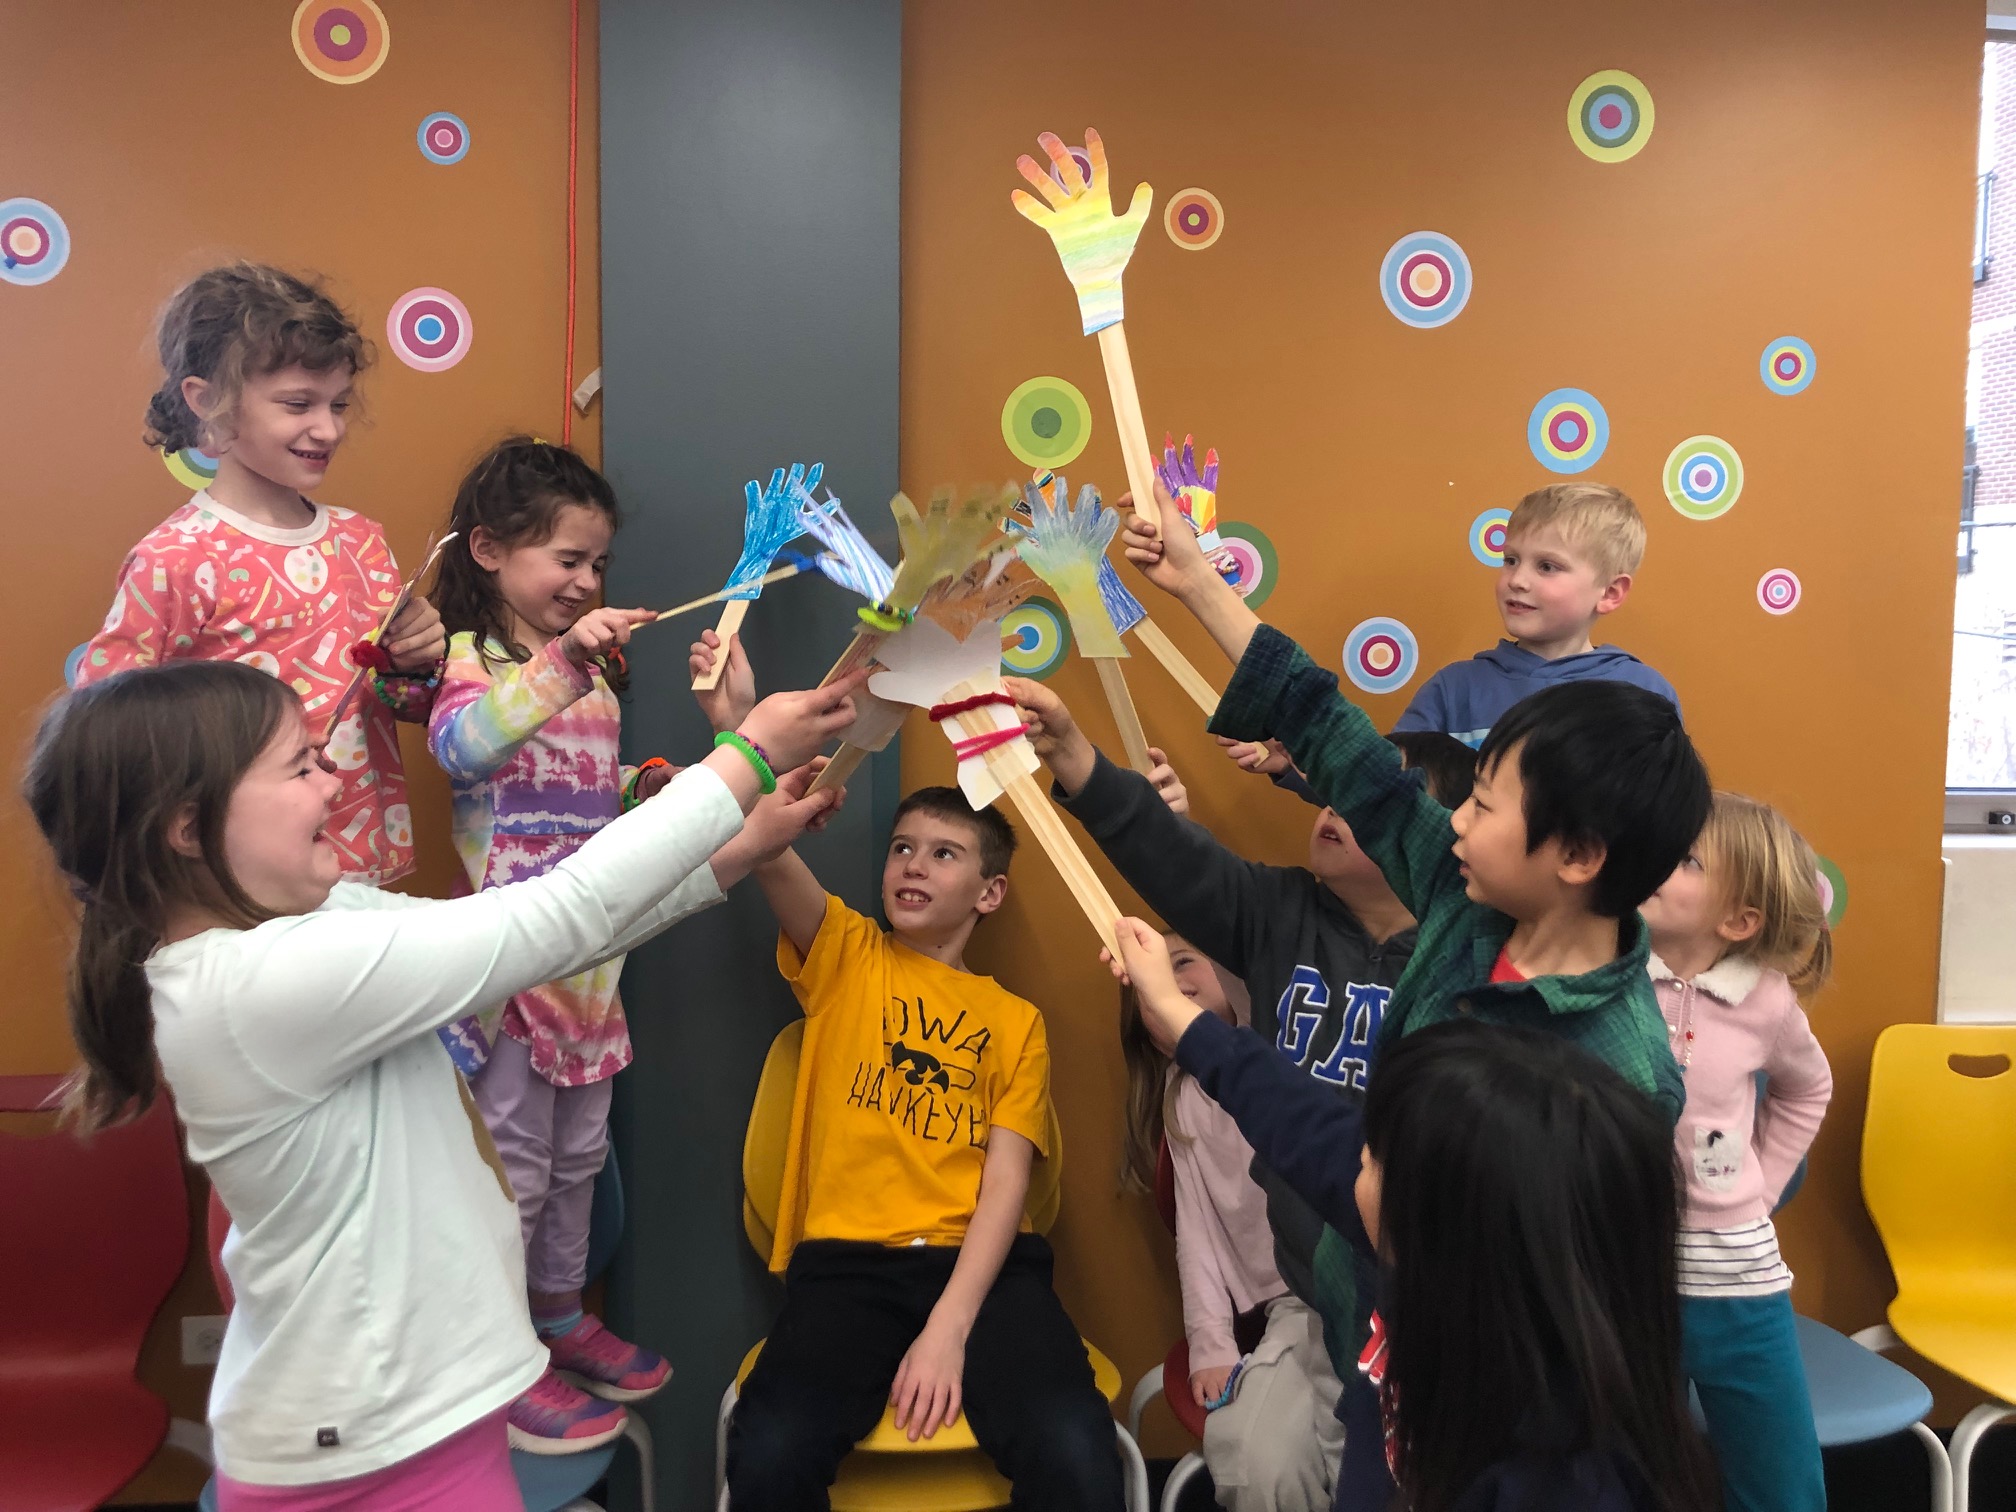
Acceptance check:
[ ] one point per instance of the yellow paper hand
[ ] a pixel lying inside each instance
(1093, 243)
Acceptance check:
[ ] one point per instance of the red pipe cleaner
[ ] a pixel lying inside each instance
(944, 711)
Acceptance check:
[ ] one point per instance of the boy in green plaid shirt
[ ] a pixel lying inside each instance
(1588, 795)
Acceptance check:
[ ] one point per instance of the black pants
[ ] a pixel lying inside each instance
(851, 1311)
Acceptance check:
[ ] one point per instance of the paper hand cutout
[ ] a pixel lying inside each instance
(1125, 610)
(924, 664)
(985, 591)
(1195, 492)
(1093, 243)
(945, 539)
(770, 523)
(848, 558)
(1066, 548)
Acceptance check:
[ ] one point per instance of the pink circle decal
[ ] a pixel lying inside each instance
(1778, 591)
(429, 329)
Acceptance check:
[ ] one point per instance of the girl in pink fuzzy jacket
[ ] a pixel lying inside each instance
(1739, 937)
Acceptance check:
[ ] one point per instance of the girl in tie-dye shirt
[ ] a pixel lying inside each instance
(526, 727)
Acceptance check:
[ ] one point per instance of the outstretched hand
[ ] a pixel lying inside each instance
(1059, 743)
(1168, 786)
(1267, 757)
(1093, 243)
(729, 701)
(790, 727)
(1144, 965)
(601, 631)
(1169, 558)
(776, 822)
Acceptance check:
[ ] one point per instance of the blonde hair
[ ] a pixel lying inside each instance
(1599, 519)
(1757, 860)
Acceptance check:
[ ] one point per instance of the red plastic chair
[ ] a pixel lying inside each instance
(96, 1233)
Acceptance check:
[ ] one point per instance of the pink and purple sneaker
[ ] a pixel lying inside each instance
(603, 1365)
(556, 1418)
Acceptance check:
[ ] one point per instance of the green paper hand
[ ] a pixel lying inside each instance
(1093, 243)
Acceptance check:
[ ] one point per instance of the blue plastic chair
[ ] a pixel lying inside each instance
(551, 1482)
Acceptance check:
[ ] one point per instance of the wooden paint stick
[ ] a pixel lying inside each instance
(731, 621)
(1133, 739)
(1127, 419)
(1178, 666)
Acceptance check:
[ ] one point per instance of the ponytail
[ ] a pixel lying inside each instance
(111, 1018)
(127, 778)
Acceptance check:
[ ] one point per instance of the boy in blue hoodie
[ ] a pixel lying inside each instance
(1570, 552)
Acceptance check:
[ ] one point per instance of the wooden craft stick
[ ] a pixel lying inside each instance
(1040, 819)
(714, 598)
(1133, 739)
(836, 771)
(848, 757)
(1127, 421)
(731, 621)
(1178, 666)
(405, 595)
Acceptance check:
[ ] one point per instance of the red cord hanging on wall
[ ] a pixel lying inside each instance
(573, 155)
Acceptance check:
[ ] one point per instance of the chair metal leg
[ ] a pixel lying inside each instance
(1146, 1390)
(647, 1468)
(1942, 1468)
(1965, 1437)
(1136, 1470)
(728, 1400)
(1188, 1469)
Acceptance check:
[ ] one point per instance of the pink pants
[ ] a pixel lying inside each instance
(467, 1472)
(552, 1141)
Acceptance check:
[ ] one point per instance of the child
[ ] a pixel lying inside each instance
(258, 368)
(380, 1323)
(1570, 552)
(1739, 914)
(1587, 795)
(923, 1099)
(526, 725)
(1272, 1437)
(1448, 766)
(1318, 950)
(1520, 1199)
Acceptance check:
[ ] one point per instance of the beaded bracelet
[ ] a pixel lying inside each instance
(749, 748)
(630, 798)
(428, 684)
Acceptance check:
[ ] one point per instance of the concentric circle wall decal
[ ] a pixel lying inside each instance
(1380, 655)
(1425, 279)
(1046, 422)
(429, 329)
(1610, 115)
(190, 467)
(74, 661)
(1079, 156)
(34, 242)
(1833, 891)
(1487, 536)
(1704, 477)
(1778, 591)
(1256, 566)
(1568, 431)
(1786, 366)
(444, 138)
(1194, 219)
(1034, 639)
(341, 41)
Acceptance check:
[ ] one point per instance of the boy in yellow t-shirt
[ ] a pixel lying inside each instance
(923, 1097)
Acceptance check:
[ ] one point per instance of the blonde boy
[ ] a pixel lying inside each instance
(1571, 552)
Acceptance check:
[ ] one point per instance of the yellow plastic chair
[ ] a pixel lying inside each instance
(1939, 1178)
(947, 1472)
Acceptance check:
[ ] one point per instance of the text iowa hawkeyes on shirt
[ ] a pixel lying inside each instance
(928, 1080)
(1304, 1005)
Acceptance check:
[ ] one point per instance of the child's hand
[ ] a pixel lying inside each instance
(729, 701)
(1144, 964)
(1059, 742)
(1159, 543)
(775, 824)
(416, 639)
(926, 1392)
(790, 727)
(651, 781)
(1167, 783)
(1265, 757)
(1206, 1386)
(600, 631)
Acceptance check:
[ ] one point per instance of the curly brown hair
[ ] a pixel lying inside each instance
(235, 322)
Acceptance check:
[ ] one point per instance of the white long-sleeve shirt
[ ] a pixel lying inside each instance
(375, 1251)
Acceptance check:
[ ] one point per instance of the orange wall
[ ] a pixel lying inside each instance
(171, 143)
(1810, 171)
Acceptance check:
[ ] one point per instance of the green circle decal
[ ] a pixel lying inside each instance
(1046, 422)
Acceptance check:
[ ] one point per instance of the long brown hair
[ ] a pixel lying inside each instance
(515, 494)
(1147, 1115)
(116, 768)
(237, 322)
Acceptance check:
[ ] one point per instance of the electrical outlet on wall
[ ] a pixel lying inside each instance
(202, 1339)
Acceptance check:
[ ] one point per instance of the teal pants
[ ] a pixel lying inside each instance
(1742, 1355)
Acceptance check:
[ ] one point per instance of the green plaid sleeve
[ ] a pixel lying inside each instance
(1278, 693)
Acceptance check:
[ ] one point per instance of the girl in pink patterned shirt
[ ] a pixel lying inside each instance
(258, 367)
(526, 727)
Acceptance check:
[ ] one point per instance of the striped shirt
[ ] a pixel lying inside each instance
(1742, 1261)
